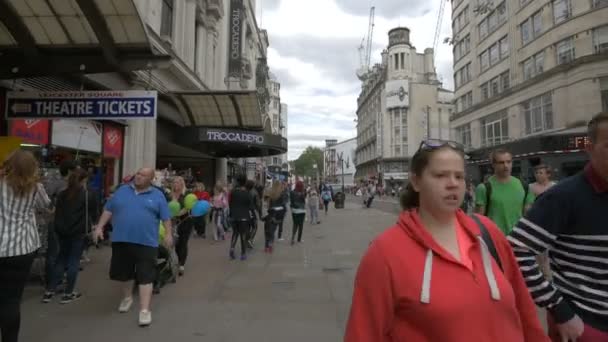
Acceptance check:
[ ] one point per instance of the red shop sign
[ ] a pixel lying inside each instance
(31, 131)
(112, 141)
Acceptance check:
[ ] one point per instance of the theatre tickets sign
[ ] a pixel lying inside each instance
(99, 105)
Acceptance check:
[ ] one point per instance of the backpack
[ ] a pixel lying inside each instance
(488, 186)
(487, 239)
(326, 196)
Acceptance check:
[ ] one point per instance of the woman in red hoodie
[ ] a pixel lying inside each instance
(432, 277)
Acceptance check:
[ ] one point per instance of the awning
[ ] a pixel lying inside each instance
(167, 151)
(233, 143)
(221, 109)
(41, 38)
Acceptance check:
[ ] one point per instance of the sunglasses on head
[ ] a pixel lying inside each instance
(433, 144)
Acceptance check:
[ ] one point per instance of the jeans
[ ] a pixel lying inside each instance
(271, 223)
(314, 213)
(14, 272)
(70, 251)
(184, 231)
(298, 226)
(240, 230)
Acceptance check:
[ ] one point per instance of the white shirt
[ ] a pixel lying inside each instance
(18, 229)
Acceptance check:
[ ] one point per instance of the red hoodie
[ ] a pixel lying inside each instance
(409, 288)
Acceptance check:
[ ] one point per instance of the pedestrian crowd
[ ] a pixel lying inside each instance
(147, 222)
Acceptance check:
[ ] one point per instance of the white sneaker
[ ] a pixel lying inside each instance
(125, 305)
(145, 318)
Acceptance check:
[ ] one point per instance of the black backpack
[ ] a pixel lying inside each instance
(488, 186)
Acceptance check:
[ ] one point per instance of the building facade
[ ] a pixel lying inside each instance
(400, 104)
(528, 76)
(339, 162)
(205, 58)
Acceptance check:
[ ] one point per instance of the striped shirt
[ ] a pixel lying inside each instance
(570, 221)
(18, 229)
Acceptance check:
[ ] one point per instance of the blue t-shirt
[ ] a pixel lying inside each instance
(136, 216)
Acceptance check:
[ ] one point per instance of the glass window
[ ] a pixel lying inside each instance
(600, 39)
(484, 92)
(396, 57)
(538, 114)
(528, 68)
(505, 81)
(495, 86)
(561, 10)
(504, 47)
(470, 99)
(403, 60)
(565, 51)
(484, 60)
(526, 35)
(537, 23)
(467, 43)
(539, 62)
(600, 3)
(492, 21)
(501, 11)
(494, 56)
(166, 24)
(483, 28)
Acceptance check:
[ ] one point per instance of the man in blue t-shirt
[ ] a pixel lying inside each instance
(136, 211)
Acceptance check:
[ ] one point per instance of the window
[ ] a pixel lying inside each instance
(462, 47)
(495, 86)
(604, 93)
(403, 60)
(463, 134)
(538, 114)
(461, 20)
(463, 75)
(494, 54)
(396, 57)
(600, 3)
(495, 129)
(600, 39)
(522, 3)
(464, 102)
(491, 22)
(565, 51)
(504, 47)
(561, 10)
(485, 91)
(531, 28)
(534, 65)
(166, 23)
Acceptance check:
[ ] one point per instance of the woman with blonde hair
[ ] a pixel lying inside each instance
(276, 213)
(182, 221)
(20, 196)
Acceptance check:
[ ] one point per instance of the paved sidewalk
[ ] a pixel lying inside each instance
(300, 293)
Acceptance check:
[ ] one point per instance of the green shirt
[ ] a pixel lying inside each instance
(506, 204)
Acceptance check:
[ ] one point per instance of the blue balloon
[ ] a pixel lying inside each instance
(200, 208)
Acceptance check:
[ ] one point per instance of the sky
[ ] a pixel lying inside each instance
(314, 55)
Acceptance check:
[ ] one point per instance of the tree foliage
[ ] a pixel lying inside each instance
(304, 164)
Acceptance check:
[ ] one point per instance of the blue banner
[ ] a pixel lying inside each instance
(82, 105)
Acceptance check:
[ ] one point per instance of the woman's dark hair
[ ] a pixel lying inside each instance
(241, 180)
(250, 185)
(74, 182)
(410, 198)
(299, 186)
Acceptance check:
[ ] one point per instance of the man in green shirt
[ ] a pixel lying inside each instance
(508, 198)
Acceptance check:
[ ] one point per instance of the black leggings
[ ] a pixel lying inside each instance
(253, 229)
(298, 226)
(14, 272)
(241, 229)
(200, 225)
(184, 230)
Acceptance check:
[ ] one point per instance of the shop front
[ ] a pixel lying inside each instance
(563, 151)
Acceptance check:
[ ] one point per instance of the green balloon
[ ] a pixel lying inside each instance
(189, 201)
(174, 208)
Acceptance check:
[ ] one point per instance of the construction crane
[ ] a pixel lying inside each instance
(365, 49)
(438, 26)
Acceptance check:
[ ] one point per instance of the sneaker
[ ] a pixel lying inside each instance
(293, 242)
(68, 298)
(125, 305)
(47, 297)
(266, 249)
(281, 239)
(145, 318)
(243, 257)
(270, 249)
(181, 271)
(232, 256)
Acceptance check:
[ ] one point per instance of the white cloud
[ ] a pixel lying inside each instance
(314, 53)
